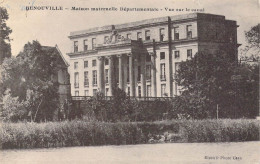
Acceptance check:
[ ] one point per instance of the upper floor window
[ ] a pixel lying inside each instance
(76, 93)
(85, 64)
(76, 46)
(162, 34)
(128, 36)
(76, 65)
(162, 55)
(189, 31)
(189, 53)
(106, 39)
(85, 45)
(139, 35)
(147, 35)
(176, 33)
(93, 43)
(176, 54)
(94, 63)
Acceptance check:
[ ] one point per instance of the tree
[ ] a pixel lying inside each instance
(208, 81)
(30, 76)
(252, 48)
(5, 31)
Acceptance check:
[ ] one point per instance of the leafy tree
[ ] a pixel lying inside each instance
(208, 81)
(5, 31)
(30, 76)
(252, 48)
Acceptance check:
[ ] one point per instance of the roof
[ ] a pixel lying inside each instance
(49, 48)
(164, 19)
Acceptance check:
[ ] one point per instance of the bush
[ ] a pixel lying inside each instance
(83, 133)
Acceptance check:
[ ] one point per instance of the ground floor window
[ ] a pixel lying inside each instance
(163, 89)
(148, 90)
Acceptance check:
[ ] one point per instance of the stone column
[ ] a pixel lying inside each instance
(111, 76)
(143, 77)
(153, 69)
(120, 76)
(131, 75)
(100, 82)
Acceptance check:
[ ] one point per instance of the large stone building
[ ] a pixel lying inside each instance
(141, 57)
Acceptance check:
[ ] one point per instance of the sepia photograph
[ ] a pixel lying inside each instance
(129, 81)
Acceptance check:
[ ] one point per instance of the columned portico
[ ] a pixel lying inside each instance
(153, 69)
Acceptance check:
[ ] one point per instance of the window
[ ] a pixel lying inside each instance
(86, 93)
(148, 72)
(128, 90)
(94, 73)
(85, 64)
(139, 73)
(148, 90)
(127, 79)
(162, 34)
(176, 54)
(147, 35)
(139, 91)
(176, 33)
(76, 65)
(148, 57)
(93, 43)
(106, 39)
(106, 76)
(94, 92)
(85, 45)
(163, 88)
(163, 77)
(177, 66)
(76, 93)
(139, 35)
(94, 63)
(189, 32)
(189, 53)
(76, 78)
(106, 61)
(86, 80)
(76, 46)
(128, 36)
(106, 92)
(162, 55)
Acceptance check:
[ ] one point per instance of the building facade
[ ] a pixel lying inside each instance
(142, 57)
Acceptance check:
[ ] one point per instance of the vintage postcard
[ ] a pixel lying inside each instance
(130, 81)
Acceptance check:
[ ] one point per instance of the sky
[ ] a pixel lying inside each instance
(51, 27)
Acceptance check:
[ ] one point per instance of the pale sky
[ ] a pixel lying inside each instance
(53, 27)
